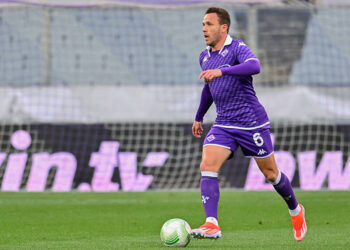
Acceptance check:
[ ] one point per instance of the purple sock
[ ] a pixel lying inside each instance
(210, 195)
(284, 188)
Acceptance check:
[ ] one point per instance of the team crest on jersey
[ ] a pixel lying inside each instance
(224, 53)
(211, 137)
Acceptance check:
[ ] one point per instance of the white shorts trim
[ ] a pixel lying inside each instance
(242, 128)
(208, 144)
(260, 157)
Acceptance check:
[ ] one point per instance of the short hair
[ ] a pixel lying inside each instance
(224, 17)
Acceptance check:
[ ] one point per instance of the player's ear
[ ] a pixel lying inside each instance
(224, 28)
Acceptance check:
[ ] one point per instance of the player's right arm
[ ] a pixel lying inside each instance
(197, 129)
(204, 105)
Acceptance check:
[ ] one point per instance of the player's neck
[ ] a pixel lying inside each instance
(220, 44)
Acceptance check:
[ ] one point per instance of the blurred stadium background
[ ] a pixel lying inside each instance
(101, 95)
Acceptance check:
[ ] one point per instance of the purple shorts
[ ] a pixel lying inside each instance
(254, 143)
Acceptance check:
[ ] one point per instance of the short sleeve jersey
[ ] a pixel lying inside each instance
(234, 96)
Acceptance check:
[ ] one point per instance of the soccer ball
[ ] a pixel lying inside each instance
(175, 233)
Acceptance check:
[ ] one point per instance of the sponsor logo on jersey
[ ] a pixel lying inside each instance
(224, 53)
(261, 152)
(211, 137)
(205, 59)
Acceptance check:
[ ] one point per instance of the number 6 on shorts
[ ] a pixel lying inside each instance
(258, 139)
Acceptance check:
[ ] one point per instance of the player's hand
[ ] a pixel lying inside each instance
(210, 74)
(197, 129)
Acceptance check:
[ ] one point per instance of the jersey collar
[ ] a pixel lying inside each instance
(228, 41)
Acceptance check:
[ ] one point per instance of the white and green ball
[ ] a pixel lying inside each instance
(175, 233)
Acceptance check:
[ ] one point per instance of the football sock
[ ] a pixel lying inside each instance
(295, 212)
(212, 220)
(284, 188)
(210, 193)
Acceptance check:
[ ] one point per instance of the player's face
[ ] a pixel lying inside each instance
(212, 29)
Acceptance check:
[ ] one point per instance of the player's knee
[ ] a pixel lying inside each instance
(270, 175)
(208, 166)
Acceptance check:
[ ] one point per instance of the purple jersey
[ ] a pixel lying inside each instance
(236, 103)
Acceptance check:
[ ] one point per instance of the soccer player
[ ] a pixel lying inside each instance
(227, 68)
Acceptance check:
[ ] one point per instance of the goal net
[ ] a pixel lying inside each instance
(102, 96)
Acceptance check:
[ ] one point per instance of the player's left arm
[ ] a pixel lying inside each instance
(247, 65)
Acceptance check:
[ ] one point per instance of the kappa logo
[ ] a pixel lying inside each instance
(261, 152)
(204, 199)
(241, 44)
(288, 197)
(211, 137)
(224, 53)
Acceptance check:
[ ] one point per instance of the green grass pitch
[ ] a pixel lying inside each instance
(248, 220)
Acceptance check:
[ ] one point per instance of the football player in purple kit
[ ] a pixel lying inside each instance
(227, 68)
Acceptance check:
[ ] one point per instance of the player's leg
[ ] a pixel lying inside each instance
(213, 157)
(283, 186)
(257, 143)
(279, 181)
